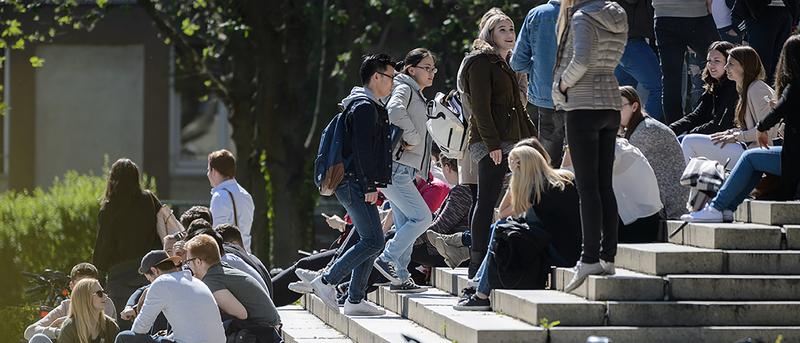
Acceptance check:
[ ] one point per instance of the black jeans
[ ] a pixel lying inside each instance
(790, 163)
(591, 135)
(643, 230)
(490, 184)
(123, 280)
(551, 132)
(281, 295)
(673, 35)
(767, 36)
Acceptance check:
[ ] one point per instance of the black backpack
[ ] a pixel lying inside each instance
(519, 257)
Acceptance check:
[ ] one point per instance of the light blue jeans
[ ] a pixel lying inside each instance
(411, 218)
(746, 175)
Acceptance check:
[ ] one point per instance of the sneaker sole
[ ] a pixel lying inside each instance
(364, 314)
(333, 304)
(386, 274)
(419, 290)
(299, 276)
(300, 289)
(472, 308)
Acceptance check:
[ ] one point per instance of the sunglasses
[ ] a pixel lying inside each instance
(101, 293)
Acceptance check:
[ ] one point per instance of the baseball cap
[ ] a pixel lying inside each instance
(154, 258)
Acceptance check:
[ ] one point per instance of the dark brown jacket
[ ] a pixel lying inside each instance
(498, 114)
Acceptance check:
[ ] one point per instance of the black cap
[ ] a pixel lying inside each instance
(154, 258)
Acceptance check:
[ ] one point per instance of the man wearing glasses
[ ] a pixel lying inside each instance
(184, 300)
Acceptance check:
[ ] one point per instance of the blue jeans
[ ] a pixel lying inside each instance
(129, 336)
(481, 277)
(360, 257)
(639, 65)
(411, 218)
(746, 175)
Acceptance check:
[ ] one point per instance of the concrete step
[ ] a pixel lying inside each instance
(768, 212)
(389, 328)
(709, 334)
(726, 235)
(300, 326)
(668, 258)
(433, 309)
(449, 280)
(792, 236)
(624, 285)
(534, 306)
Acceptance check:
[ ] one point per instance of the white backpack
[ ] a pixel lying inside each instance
(447, 124)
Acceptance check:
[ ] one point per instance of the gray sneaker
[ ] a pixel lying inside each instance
(582, 271)
(407, 287)
(453, 255)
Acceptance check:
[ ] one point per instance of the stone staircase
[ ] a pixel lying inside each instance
(710, 283)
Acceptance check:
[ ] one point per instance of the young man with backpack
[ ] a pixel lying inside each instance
(366, 155)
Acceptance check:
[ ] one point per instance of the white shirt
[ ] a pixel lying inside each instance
(721, 13)
(188, 305)
(222, 208)
(238, 263)
(635, 184)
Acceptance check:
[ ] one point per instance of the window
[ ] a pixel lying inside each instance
(198, 122)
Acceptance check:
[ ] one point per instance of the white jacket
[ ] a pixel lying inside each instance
(635, 184)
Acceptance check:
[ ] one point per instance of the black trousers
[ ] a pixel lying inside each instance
(767, 36)
(282, 296)
(790, 163)
(643, 230)
(551, 132)
(490, 185)
(591, 135)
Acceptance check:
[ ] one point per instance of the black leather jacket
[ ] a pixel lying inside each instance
(714, 112)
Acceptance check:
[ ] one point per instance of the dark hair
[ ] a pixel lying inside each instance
(436, 152)
(166, 266)
(372, 64)
(413, 58)
(753, 71)
(229, 232)
(83, 269)
(224, 162)
(449, 162)
(123, 182)
(788, 67)
(534, 143)
(202, 227)
(709, 81)
(196, 212)
(630, 94)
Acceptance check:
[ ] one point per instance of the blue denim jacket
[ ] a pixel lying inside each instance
(535, 52)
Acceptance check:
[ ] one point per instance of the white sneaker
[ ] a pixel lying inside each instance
(708, 214)
(472, 283)
(325, 292)
(582, 271)
(608, 267)
(306, 275)
(727, 216)
(300, 287)
(363, 308)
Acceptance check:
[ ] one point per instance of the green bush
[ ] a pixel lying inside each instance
(14, 320)
(47, 229)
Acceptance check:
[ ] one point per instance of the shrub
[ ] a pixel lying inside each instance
(14, 320)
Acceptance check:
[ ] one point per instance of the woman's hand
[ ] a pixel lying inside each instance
(562, 88)
(496, 156)
(723, 138)
(762, 137)
(335, 222)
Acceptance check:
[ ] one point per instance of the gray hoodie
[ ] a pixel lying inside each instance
(589, 52)
(408, 110)
(360, 92)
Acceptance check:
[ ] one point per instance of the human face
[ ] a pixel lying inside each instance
(735, 70)
(382, 82)
(715, 63)
(450, 175)
(196, 265)
(626, 112)
(504, 36)
(423, 72)
(99, 298)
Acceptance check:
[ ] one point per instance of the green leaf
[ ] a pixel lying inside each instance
(19, 45)
(207, 51)
(555, 323)
(102, 3)
(51, 32)
(2, 43)
(167, 41)
(64, 20)
(199, 3)
(203, 98)
(36, 62)
(188, 27)
(207, 83)
(14, 28)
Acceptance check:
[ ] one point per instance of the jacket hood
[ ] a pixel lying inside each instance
(609, 16)
(402, 78)
(480, 47)
(359, 92)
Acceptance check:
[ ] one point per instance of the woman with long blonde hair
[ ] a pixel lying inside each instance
(87, 321)
(548, 201)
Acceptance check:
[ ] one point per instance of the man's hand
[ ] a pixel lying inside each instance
(335, 222)
(763, 139)
(723, 138)
(128, 313)
(496, 156)
(58, 322)
(371, 197)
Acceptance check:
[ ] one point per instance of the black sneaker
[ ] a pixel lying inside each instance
(407, 287)
(387, 269)
(473, 304)
(466, 293)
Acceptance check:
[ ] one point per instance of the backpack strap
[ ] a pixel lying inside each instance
(235, 215)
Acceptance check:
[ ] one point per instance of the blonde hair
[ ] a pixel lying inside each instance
(563, 19)
(489, 22)
(530, 173)
(82, 312)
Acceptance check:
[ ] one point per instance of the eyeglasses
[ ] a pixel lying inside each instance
(626, 104)
(190, 260)
(432, 70)
(387, 75)
(101, 293)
